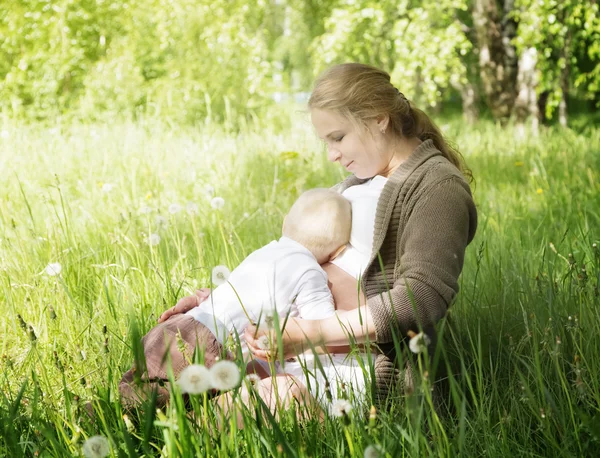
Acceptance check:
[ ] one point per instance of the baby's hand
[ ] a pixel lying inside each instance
(186, 304)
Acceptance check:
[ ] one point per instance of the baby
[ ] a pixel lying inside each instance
(283, 278)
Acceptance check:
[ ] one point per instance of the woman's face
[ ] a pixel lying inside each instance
(362, 152)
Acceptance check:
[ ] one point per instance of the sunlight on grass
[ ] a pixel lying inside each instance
(101, 223)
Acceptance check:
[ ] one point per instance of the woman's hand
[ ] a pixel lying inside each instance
(262, 342)
(186, 304)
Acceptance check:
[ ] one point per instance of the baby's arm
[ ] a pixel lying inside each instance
(314, 299)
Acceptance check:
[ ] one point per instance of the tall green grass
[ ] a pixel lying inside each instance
(519, 364)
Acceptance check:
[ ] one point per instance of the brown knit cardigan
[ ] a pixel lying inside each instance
(425, 219)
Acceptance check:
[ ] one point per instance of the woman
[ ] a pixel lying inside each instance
(414, 216)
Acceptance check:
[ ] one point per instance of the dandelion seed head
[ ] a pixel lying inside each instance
(145, 209)
(263, 343)
(341, 408)
(107, 187)
(224, 375)
(210, 191)
(373, 451)
(160, 221)
(220, 274)
(153, 239)
(53, 269)
(195, 379)
(419, 342)
(252, 379)
(96, 447)
(192, 208)
(217, 203)
(174, 208)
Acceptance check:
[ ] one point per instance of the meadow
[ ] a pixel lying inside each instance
(124, 209)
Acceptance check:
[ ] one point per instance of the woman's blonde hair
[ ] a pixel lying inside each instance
(360, 93)
(321, 220)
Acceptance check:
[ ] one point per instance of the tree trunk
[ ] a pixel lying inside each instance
(564, 87)
(526, 102)
(495, 30)
(470, 101)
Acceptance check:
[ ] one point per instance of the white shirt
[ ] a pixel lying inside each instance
(364, 198)
(282, 277)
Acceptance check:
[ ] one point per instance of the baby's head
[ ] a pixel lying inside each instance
(320, 220)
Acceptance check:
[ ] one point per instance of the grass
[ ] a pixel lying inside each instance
(520, 360)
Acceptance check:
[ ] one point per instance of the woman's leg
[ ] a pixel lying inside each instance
(279, 393)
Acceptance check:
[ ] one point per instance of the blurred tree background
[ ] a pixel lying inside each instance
(230, 60)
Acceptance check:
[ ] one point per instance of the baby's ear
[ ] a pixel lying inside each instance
(337, 252)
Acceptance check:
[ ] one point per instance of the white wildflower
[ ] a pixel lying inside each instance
(217, 203)
(53, 269)
(252, 379)
(341, 408)
(246, 215)
(96, 447)
(153, 239)
(224, 375)
(174, 208)
(220, 274)
(195, 379)
(145, 209)
(419, 342)
(373, 451)
(192, 208)
(160, 221)
(210, 191)
(107, 187)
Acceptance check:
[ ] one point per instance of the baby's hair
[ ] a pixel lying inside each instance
(321, 220)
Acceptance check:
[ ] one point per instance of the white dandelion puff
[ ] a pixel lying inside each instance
(195, 379)
(145, 209)
(419, 342)
(210, 190)
(153, 239)
(53, 269)
(246, 215)
(220, 274)
(263, 343)
(225, 375)
(96, 447)
(201, 234)
(192, 208)
(160, 221)
(341, 408)
(217, 203)
(107, 187)
(373, 451)
(174, 208)
(252, 379)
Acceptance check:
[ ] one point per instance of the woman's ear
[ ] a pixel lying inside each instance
(337, 252)
(382, 123)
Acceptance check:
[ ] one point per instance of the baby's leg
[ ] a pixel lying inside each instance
(278, 394)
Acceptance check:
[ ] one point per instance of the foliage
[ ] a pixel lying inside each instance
(567, 36)
(205, 61)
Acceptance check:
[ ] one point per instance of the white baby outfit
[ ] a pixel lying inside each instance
(282, 277)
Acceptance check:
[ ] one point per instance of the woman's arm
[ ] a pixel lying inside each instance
(337, 330)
